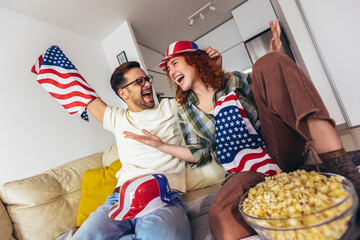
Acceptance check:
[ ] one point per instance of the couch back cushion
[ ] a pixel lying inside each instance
(201, 177)
(44, 206)
(6, 227)
(110, 155)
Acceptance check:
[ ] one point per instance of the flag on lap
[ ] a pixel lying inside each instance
(59, 77)
(238, 146)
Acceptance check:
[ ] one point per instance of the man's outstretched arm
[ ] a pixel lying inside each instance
(97, 108)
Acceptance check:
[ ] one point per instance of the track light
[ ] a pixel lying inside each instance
(200, 13)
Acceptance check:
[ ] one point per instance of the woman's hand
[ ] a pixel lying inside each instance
(275, 42)
(214, 55)
(149, 139)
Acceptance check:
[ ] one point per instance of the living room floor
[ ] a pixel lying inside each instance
(350, 137)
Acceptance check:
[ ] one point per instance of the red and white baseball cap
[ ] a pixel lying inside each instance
(179, 47)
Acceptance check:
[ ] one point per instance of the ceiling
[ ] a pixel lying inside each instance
(156, 23)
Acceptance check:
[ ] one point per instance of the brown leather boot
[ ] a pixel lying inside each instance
(342, 163)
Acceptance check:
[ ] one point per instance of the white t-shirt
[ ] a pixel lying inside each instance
(138, 159)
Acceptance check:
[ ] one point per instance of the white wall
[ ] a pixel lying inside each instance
(122, 39)
(36, 132)
(305, 53)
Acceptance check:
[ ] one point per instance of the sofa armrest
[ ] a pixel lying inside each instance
(44, 206)
(6, 228)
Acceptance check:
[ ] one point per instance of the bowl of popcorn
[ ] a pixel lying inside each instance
(300, 205)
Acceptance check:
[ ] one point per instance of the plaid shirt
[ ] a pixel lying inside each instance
(198, 128)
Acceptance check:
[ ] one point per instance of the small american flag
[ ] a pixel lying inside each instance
(238, 146)
(58, 76)
(142, 195)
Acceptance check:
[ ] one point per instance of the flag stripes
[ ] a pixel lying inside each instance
(238, 146)
(142, 195)
(58, 76)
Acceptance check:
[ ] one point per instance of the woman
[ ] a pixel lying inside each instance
(292, 115)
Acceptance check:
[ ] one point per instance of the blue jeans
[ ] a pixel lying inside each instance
(168, 222)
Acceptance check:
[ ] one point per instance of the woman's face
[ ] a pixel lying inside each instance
(181, 72)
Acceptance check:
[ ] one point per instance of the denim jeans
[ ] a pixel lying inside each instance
(168, 222)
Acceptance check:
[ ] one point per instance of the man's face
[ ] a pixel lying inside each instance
(137, 97)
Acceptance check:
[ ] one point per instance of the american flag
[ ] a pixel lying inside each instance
(238, 146)
(142, 195)
(58, 76)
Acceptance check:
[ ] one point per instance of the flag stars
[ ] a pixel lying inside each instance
(232, 133)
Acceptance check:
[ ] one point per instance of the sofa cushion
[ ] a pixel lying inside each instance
(110, 155)
(201, 177)
(97, 185)
(45, 205)
(6, 228)
(198, 213)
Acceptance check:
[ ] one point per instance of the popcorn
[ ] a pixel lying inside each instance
(289, 200)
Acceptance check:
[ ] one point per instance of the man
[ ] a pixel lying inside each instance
(131, 84)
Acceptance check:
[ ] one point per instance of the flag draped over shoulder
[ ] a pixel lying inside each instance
(58, 76)
(238, 146)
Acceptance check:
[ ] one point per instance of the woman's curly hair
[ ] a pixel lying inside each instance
(209, 73)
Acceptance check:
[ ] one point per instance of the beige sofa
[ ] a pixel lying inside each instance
(45, 206)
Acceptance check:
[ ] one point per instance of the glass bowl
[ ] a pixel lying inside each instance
(330, 223)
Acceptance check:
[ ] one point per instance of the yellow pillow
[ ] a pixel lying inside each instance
(97, 185)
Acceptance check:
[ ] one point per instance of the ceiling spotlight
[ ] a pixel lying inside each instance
(202, 16)
(191, 22)
(212, 8)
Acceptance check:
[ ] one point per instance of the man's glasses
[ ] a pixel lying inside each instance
(141, 81)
